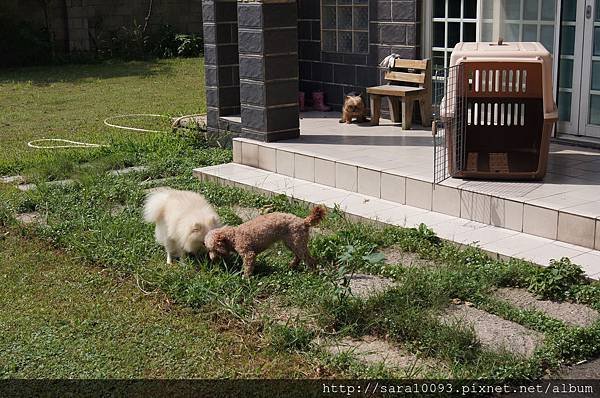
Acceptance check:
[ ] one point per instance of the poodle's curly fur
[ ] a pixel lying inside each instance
(255, 236)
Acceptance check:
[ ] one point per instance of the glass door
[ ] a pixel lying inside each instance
(589, 108)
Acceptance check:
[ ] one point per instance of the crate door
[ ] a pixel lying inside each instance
(449, 115)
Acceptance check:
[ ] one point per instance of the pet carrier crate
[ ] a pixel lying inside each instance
(498, 111)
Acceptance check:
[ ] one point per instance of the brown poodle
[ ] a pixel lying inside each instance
(255, 236)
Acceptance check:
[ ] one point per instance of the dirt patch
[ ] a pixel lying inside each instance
(365, 285)
(372, 350)
(394, 255)
(586, 370)
(571, 313)
(30, 218)
(494, 333)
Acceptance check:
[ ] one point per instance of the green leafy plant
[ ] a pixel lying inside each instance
(189, 45)
(555, 281)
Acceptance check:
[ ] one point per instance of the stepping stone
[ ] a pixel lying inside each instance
(61, 182)
(156, 181)
(286, 315)
(493, 332)
(155, 189)
(586, 370)
(116, 210)
(29, 187)
(30, 218)
(395, 255)
(12, 179)
(128, 170)
(26, 187)
(571, 313)
(365, 285)
(246, 213)
(372, 350)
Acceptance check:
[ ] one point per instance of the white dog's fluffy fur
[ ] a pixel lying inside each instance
(182, 220)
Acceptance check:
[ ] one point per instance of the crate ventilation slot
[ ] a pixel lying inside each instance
(495, 114)
(498, 81)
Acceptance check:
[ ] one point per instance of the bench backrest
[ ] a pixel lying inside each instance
(414, 71)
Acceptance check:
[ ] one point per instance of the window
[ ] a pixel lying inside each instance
(527, 20)
(487, 20)
(453, 21)
(345, 26)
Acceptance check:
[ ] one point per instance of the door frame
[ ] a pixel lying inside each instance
(587, 53)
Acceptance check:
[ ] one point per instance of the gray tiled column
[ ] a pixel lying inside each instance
(268, 48)
(221, 61)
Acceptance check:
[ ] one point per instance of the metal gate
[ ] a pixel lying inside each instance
(449, 115)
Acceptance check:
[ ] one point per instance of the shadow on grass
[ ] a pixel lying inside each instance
(79, 73)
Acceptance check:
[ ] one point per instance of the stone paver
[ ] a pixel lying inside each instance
(493, 332)
(365, 285)
(29, 187)
(246, 213)
(571, 313)
(394, 255)
(157, 181)
(128, 170)
(274, 310)
(586, 370)
(372, 350)
(30, 218)
(26, 187)
(12, 179)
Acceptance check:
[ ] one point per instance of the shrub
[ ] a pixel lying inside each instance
(556, 281)
(133, 43)
(22, 44)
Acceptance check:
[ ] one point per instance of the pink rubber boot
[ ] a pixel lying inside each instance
(318, 98)
(301, 101)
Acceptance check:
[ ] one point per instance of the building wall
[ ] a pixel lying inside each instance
(395, 27)
(75, 23)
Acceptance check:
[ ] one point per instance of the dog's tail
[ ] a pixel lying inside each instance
(154, 206)
(316, 215)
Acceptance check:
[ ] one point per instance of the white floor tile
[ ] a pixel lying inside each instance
(552, 251)
(590, 262)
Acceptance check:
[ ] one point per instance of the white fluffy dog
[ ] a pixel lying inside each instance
(182, 220)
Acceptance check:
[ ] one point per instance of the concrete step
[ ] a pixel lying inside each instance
(500, 242)
(562, 207)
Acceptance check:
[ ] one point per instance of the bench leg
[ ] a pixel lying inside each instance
(394, 104)
(425, 107)
(407, 111)
(375, 109)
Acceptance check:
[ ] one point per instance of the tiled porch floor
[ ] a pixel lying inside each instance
(389, 163)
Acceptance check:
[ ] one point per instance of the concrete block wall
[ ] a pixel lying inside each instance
(221, 61)
(395, 27)
(268, 54)
(75, 23)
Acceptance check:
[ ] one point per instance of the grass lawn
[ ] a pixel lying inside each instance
(90, 295)
(71, 102)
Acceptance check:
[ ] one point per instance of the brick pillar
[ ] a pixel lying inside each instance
(268, 43)
(221, 61)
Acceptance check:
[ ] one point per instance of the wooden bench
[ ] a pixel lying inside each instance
(416, 76)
